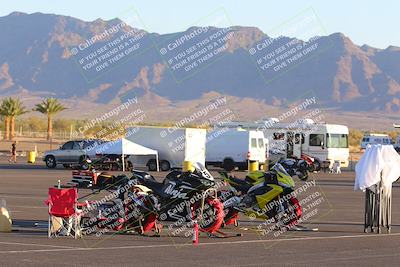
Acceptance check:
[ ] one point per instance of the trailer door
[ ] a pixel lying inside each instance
(289, 144)
(195, 145)
(297, 145)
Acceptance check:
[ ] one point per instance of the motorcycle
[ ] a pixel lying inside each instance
(124, 209)
(296, 167)
(185, 198)
(128, 209)
(313, 163)
(88, 177)
(265, 195)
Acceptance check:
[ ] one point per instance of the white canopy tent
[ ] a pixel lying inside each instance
(125, 147)
(379, 163)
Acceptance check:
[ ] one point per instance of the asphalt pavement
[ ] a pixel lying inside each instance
(335, 211)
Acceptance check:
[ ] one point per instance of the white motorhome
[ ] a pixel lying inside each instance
(375, 139)
(231, 148)
(174, 145)
(327, 143)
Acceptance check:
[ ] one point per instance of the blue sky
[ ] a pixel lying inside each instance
(373, 22)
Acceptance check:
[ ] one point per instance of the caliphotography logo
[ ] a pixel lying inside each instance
(229, 133)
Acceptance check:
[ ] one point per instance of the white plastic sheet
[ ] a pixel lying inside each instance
(379, 163)
(5, 218)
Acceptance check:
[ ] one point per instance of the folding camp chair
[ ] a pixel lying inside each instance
(64, 216)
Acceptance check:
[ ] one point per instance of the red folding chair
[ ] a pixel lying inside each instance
(64, 216)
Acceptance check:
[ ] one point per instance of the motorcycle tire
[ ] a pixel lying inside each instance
(146, 223)
(231, 217)
(294, 212)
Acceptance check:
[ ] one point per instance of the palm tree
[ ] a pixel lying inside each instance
(50, 106)
(16, 109)
(5, 111)
(11, 108)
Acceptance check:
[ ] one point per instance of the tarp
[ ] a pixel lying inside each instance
(379, 163)
(125, 147)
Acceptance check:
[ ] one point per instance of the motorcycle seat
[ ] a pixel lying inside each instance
(155, 186)
(238, 181)
(144, 175)
(239, 184)
(173, 176)
(242, 188)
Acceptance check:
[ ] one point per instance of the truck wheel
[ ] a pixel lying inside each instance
(50, 162)
(164, 165)
(152, 165)
(228, 164)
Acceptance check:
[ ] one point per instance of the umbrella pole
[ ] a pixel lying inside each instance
(123, 163)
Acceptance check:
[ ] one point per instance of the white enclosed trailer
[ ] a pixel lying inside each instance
(375, 139)
(174, 145)
(234, 148)
(326, 142)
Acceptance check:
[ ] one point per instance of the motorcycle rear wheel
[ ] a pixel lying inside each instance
(293, 212)
(143, 222)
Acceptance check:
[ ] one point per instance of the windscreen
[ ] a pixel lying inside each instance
(201, 170)
(279, 168)
(337, 141)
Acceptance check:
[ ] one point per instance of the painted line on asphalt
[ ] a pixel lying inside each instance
(200, 244)
(8, 196)
(28, 207)
(33, 244)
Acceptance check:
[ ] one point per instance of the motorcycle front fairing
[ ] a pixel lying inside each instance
(265, 193)
(284, 179)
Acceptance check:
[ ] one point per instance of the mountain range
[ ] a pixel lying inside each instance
(43, 55)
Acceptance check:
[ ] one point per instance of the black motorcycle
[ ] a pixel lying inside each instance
(126, 209)
(185, 198)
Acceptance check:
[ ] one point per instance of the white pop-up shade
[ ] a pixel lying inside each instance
(379, 163)
(125, 147)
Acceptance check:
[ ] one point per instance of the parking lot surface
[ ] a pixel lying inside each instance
(339, 218)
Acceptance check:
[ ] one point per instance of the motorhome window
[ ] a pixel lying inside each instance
(279, 136)
(337, 140)
(260, 143)
(316, 139)
(253, 143)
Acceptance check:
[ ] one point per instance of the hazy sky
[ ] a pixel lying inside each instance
(373, 22)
